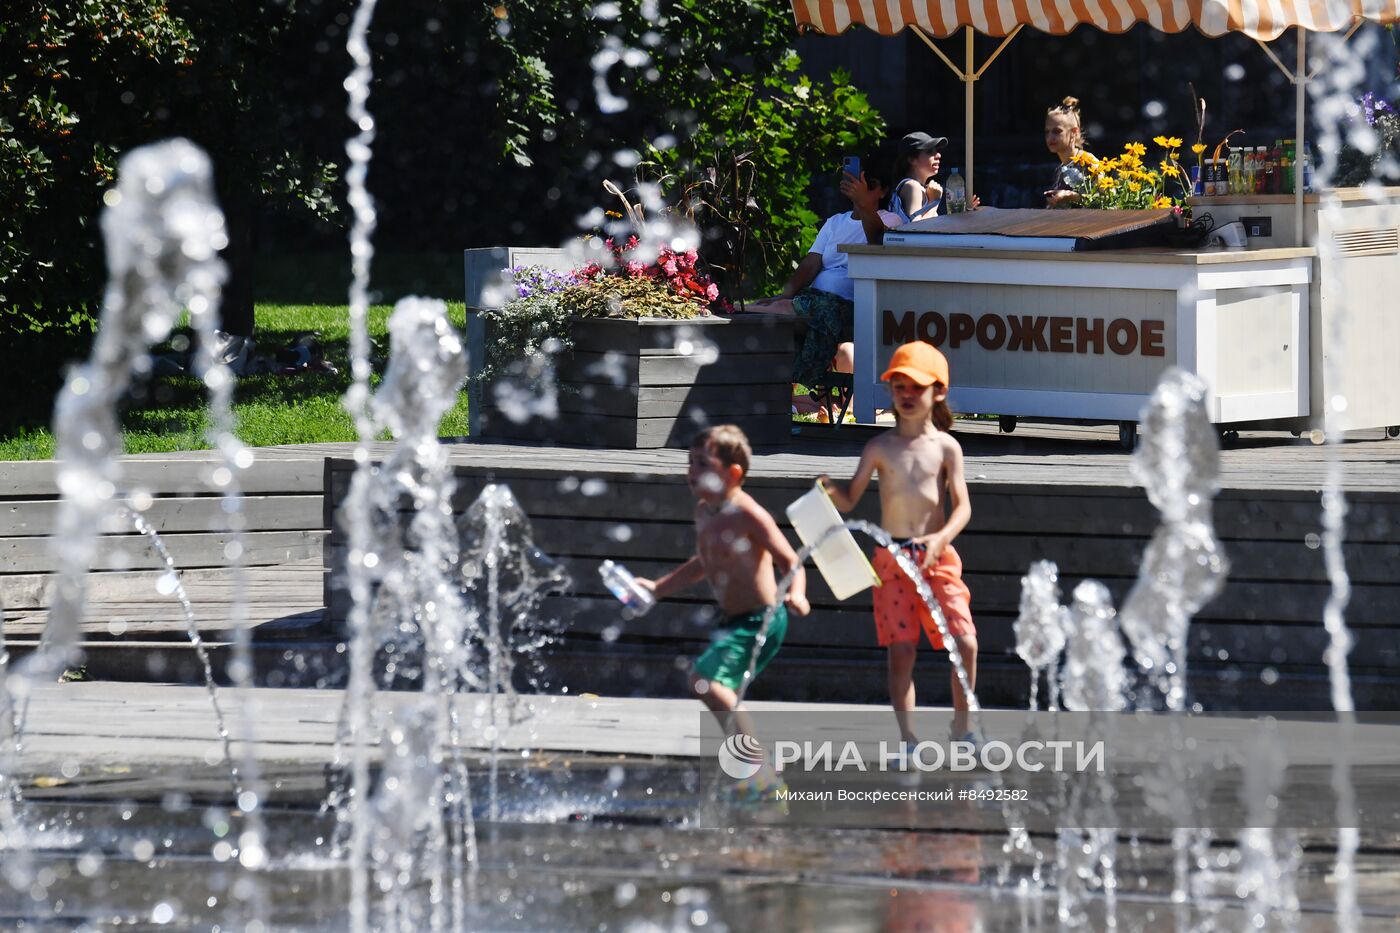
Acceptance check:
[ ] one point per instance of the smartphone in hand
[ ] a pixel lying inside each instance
(851, 165)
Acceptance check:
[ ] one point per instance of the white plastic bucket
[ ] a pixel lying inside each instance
(842, 563)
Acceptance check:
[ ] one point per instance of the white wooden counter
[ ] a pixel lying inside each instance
(1354, 300)
(1085, 335)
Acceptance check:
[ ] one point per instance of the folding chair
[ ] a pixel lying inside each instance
(833, 390)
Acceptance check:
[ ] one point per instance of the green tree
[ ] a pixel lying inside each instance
(82, 81)
(713, 98)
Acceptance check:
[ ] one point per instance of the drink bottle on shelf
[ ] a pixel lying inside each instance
(955, 193)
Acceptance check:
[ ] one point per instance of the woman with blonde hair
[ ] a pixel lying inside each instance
(1064, 136)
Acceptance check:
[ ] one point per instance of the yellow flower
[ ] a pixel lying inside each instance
(1109, 164)
(1169, 170)
(1082, 157)
(1134, 186)
(1105, 183)
(1130, 160)
(1162, 201)
(1198, 148)
(1137, 149)
(1173, 142)
(1162, 141)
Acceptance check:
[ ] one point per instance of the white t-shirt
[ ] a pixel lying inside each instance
(839, 230)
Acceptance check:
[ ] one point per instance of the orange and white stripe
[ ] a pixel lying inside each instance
(1261, 19)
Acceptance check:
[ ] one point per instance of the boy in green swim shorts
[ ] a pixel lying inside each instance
(737, 549)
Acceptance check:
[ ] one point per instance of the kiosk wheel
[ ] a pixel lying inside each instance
(1006, 424)
(1393, 431)
(1228, 436)
(1127, 434)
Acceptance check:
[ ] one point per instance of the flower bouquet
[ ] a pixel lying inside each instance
(1357, 166)
(1127, 182)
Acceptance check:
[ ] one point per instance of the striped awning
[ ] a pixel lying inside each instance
(1261, 19)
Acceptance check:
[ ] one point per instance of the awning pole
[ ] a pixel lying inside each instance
(969, 76)
(1300, 76)
(1300, 99)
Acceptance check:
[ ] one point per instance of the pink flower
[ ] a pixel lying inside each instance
(636, 269)
(712, 292)
(669, 266)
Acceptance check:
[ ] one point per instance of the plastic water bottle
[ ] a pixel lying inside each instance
(955, 193)
(636, 599)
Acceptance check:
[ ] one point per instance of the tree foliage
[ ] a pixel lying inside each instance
(82, 81)
(708, 92)
(498, 121)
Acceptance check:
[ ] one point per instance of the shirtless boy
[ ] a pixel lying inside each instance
(737, 549)
(923, 500)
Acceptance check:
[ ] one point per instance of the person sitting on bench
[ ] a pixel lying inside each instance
(821, 295)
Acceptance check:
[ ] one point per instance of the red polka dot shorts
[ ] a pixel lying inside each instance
(900, 612)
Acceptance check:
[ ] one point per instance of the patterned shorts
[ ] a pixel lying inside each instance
(831, 321)
(900, 612)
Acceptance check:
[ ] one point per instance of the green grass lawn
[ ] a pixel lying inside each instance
(170, 413)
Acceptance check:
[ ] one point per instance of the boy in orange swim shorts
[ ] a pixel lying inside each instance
(923, 499)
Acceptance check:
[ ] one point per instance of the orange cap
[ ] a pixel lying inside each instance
(919, 361)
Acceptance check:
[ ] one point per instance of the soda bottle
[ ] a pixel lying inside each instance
(1290, 165)
(1307, 168)
(636, 599)
(1276, 160)
(955, 193)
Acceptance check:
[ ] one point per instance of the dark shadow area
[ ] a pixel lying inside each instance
(322, 277)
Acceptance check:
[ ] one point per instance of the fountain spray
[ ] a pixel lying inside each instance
(361, 558)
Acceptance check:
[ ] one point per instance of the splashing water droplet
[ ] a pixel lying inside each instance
(167, 583)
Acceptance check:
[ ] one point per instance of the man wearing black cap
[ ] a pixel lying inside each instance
(917, 193)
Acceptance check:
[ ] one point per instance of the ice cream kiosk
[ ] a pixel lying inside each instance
(1067, 314)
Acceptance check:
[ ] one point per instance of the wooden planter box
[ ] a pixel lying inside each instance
(655, 395)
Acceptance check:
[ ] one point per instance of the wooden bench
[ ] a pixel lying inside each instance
(131, 631)
(1258, 645)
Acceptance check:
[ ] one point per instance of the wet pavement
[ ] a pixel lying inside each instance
(607, 821)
